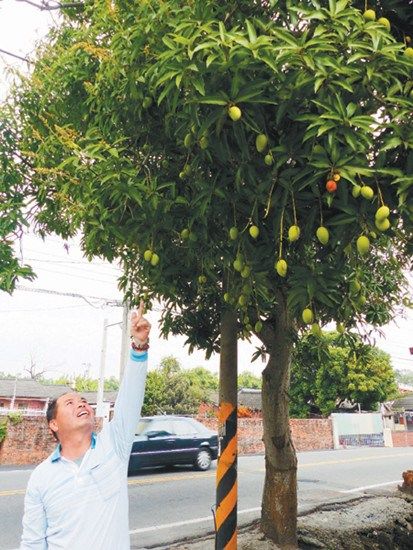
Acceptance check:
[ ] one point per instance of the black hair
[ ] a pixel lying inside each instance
(51, 414)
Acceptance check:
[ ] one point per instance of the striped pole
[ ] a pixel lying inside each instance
(226, 480)
(227, 489)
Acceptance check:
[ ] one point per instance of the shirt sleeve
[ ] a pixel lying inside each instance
(129, 404)
(34, 521)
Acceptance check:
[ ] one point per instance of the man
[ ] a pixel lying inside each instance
(77, 498)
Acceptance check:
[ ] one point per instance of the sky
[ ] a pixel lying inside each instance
(62, 335)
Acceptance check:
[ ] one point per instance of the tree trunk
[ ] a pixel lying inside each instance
(226, 480)
(279, 502)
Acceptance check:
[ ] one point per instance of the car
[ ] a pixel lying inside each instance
(168, 440)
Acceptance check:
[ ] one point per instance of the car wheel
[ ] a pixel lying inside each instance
(203, 460)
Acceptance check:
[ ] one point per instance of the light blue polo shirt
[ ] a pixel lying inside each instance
(71, 507)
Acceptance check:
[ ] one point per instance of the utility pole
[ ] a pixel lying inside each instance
(125, 339)
(100, 410)
(226, 477)
(99, 401)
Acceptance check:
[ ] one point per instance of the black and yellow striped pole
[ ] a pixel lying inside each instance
(227, 490)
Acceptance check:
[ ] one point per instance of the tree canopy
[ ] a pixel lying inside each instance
(130, 139)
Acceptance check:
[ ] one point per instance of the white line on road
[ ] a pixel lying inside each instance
(187, 522)
(370, 487)
(7, 472)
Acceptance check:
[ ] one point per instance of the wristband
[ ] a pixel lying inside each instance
(140, 347)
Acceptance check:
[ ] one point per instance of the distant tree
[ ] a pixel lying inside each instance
(330, 369)
(82, 383)
(203, 378)
(8, 375)
(404, 376)
(31, 370)
(170, 365)
(248, 380)
(111, 384)
(169, 390)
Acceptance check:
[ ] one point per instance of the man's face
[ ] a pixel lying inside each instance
(73, 414)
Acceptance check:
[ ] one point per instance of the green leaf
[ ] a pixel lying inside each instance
(166, 76)
(351, 109)
(391, 143)
(285, 36)
(319, 81)
(252, 35)
(212, 100)
(325, 128)
(211, 58)
(343, 84)
(166, 91)
(268, 60)
(199, 85)
(342, 219)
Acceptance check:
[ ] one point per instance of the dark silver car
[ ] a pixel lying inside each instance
(167, 440)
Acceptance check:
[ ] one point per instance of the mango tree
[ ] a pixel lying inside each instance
(248, 158)
(12, 216)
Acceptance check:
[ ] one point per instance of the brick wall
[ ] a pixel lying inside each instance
(28, 442)
(312, 434)
(308, 435)
(402, 439)
(249, 433)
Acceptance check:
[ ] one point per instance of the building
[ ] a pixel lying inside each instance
(31, 398)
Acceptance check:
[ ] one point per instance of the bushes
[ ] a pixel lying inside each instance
(15, 417)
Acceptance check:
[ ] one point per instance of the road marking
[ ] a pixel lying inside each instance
(168, 478)
(341, 461)
(12, 492)
(184, 476)
(7, 472)
(357, 459)
(187, 522)
(357, 489)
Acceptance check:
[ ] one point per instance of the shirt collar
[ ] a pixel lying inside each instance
(56, 453)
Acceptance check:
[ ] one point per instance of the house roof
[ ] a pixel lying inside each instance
(91, 396)
(56, 390)
(22, 388)
(250, 398)
(247, 397)
(405, 403)
(34, 390)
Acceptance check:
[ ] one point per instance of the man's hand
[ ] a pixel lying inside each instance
(140, 327)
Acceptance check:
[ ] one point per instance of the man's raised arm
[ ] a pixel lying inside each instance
(132, 389)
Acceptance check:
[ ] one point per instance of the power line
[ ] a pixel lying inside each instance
(67, 274)
(60, 258)
(45, 6)
(77, 262)
(41, 309)
(107, 301)
(16, 56)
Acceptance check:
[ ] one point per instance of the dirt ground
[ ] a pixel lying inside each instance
(372, 522)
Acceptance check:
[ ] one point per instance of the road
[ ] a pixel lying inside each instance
(170, 505)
